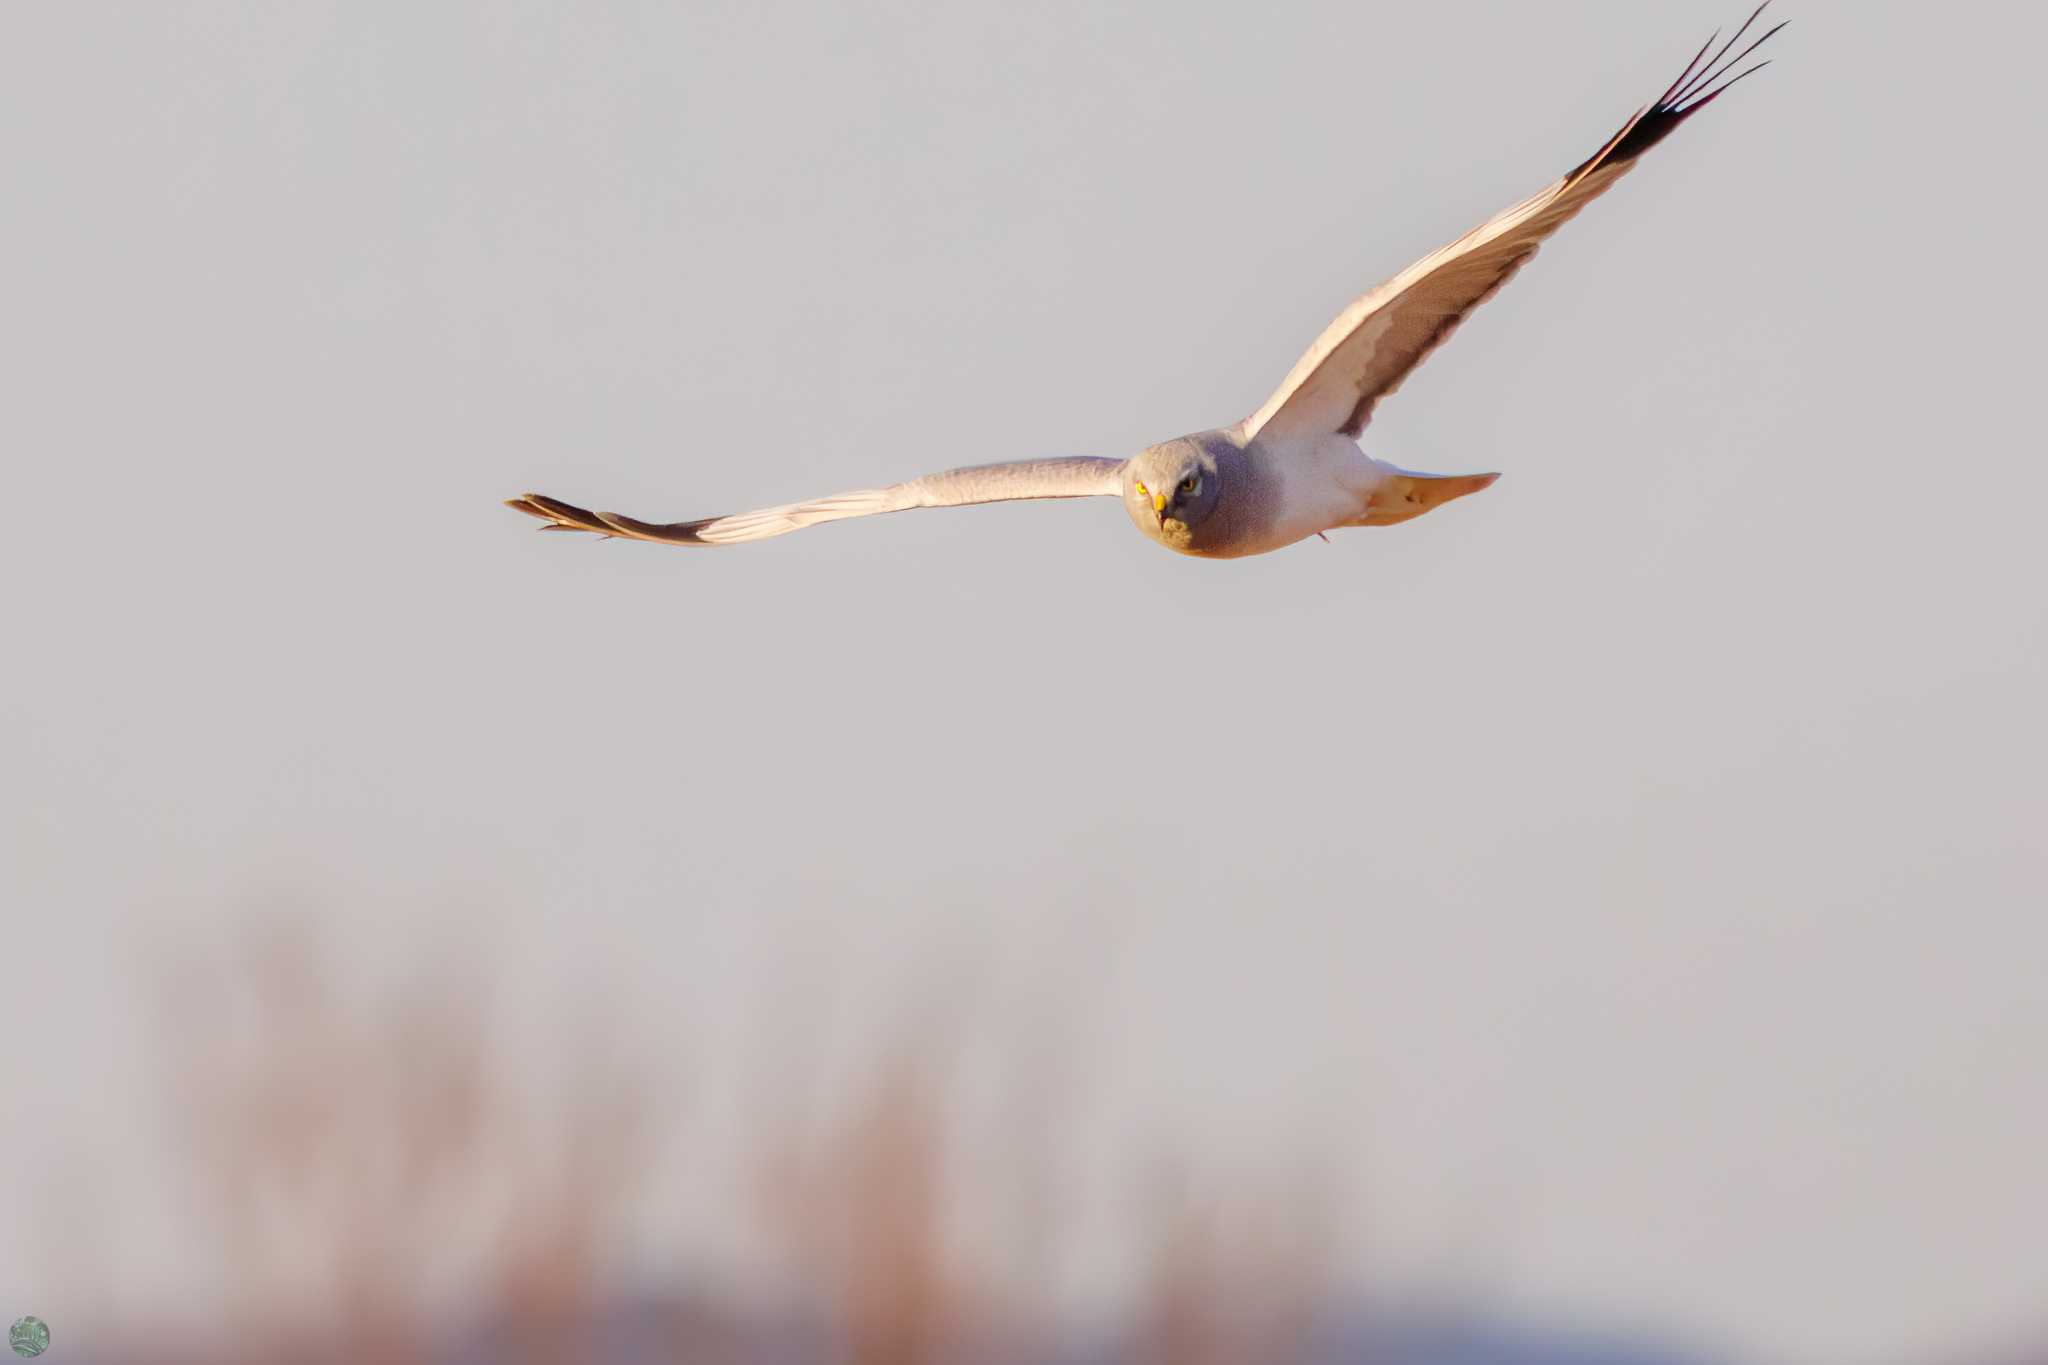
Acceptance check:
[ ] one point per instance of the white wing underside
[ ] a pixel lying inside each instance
(1373, 345)
(1075, 477)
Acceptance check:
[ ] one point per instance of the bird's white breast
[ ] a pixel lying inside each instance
(1322, 482)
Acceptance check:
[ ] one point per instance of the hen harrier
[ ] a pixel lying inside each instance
(1292, 469)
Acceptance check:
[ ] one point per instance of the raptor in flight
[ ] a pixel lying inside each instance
(1292, 469)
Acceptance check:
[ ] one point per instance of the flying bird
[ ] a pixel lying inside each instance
(1293, 469)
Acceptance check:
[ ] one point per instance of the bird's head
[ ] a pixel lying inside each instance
(1171, 489)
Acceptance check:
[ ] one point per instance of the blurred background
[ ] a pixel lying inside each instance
(1601, 922)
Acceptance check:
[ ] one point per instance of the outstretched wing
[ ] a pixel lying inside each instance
(1076, 477)
(1365, 354)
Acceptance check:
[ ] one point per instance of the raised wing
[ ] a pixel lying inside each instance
(1365, 354)
(1076, 477)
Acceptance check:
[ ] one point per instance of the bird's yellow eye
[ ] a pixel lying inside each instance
(1187, 485)
(1142, 490)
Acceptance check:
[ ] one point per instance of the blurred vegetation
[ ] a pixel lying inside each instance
(376, 1185)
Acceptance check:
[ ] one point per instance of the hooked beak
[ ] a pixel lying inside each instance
(1159, 505)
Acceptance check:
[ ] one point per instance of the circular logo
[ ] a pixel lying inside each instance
(29, 1336)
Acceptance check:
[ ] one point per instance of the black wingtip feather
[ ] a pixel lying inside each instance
(1696, 87)
(559, 515)
(1694, 98)
(1705, 76)
(1687, 74)
(567, 516)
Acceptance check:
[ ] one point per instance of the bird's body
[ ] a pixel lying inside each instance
(1282, 490)
(1293, 469)
(1277, 496)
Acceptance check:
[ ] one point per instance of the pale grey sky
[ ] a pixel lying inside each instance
(1634, 876)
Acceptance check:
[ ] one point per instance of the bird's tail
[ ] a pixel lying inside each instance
(1402, 496)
